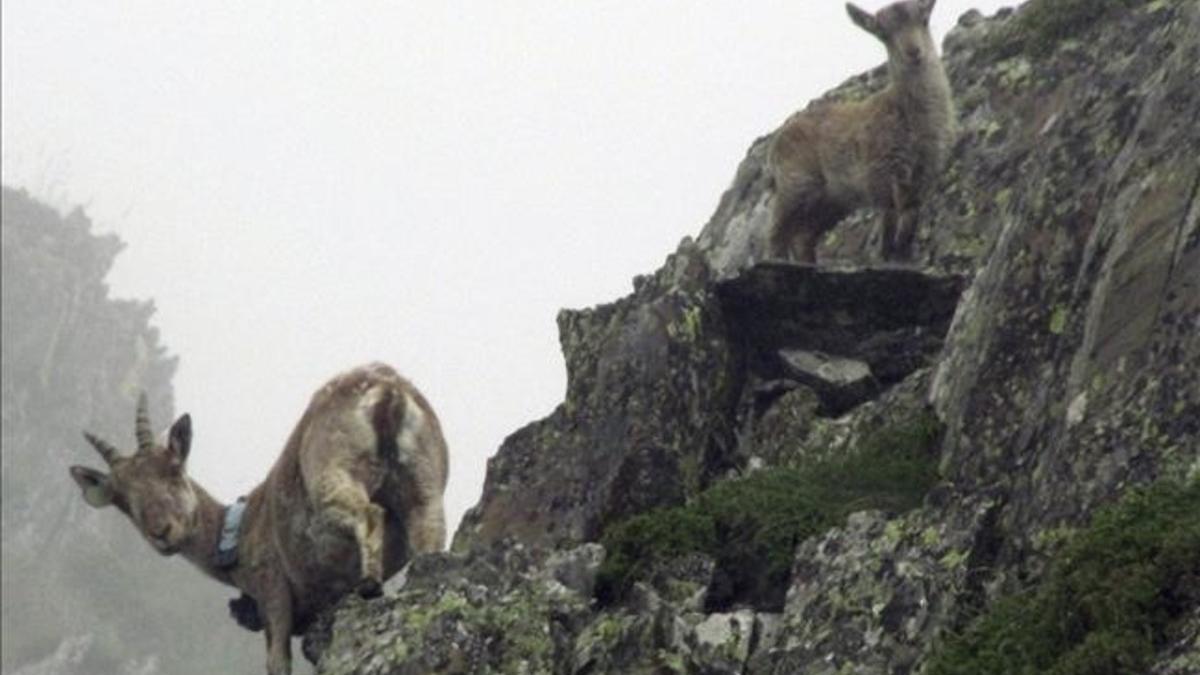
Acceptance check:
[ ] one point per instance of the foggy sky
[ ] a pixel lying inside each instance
(304, 187)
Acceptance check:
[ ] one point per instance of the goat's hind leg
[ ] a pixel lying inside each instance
(794, 234)
(415, 497)
(345, 501)
(800, 218)
(426, 527)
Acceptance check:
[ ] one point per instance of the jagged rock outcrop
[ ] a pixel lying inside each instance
(652, 381)
(1070, 213)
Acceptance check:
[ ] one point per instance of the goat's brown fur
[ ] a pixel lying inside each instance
(831, 159)
(356, 491)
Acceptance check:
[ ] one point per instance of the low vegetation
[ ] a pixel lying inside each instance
(752, 525)
(1107, 601)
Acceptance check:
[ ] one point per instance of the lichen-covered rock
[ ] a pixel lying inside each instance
(842, 383)
(774, 422)
(1182, 655)
(654, 636)
(1070, 371)
(503, 611)
(868, 597)
(794, 439)
(517, 609)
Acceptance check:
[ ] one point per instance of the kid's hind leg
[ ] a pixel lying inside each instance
(800, 218)
(795, 232)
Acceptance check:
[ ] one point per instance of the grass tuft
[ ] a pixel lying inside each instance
(751, 526)
(1107, 601)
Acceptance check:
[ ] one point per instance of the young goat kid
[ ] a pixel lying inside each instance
(831, 159)
(356, 492)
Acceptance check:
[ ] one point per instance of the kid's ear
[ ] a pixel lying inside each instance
(864, 20)
(926, 7)
(96, 486)
(179, 440)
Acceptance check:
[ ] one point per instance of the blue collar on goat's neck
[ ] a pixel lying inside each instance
(231, 525)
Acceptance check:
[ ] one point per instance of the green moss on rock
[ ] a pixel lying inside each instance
(1108, 600)
(752, 525)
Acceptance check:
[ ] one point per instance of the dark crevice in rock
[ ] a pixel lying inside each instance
(848, 334)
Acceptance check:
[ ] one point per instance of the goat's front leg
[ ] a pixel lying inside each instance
(779, 236)
(887, 235)
(278, 610)
(900, 221)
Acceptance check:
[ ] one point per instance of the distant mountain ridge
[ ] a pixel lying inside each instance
(83, 594)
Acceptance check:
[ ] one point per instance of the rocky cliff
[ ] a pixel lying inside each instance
(1006, 433)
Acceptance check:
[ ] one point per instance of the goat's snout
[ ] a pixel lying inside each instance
(914, 54)
(162, 538)
(160, 530)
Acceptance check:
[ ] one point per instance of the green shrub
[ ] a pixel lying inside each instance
(751, 526)
(1107, 600)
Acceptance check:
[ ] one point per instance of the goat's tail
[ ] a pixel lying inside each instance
(388, 418)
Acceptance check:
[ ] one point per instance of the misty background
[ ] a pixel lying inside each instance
(305, 187)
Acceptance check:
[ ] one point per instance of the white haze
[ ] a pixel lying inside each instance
(307, 186)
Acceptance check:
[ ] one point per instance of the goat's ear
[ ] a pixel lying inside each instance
(864, 20)
(96, 486)
(179, 439)
(926, 7)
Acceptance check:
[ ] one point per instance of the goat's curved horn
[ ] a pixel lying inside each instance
(145, 437)
(106, 450)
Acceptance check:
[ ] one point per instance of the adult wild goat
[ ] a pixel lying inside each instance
(830, 159)
(356, 492)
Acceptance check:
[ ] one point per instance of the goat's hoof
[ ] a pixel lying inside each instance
(245, 611)
(369, 588)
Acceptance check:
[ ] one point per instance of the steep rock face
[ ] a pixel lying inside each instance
(1070, 208)
(1071, 368)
